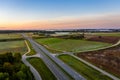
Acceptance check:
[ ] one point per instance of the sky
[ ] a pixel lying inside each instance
(59, 14)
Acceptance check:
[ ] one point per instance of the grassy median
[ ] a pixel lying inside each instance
(44, 72)
(86, 71)
(32, 51)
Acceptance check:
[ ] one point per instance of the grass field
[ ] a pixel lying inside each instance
(86, 71)
(13, 46)
(107, 34)
(10, 36)
(32, 52)
(70, 45)
(39, 65)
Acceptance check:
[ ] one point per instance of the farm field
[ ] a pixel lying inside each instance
(117, 34)
(70, 45)
(10, 36)
(86, 71)
(39, 65)
(108, 59)
(105, 39)
(13, 46)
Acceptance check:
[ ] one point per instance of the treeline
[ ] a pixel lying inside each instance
(11, 68)
(15, 39)
(68, 36)
(76, 36)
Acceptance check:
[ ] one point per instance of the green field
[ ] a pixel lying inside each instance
(13, 46)
(32, 52)
(70, 45)
(10, 36)
(107, 34)
(86, 71)
(39, 65)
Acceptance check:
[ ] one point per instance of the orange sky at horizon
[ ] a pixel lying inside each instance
(101, 21)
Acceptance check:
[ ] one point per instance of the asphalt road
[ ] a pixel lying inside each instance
(54, 63)
(32, 69)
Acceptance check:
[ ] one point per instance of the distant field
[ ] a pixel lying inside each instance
(29, 34)
(70, 45)
(107, 34)
(35, 35)
(39, 65)
(86, 71)
(13, 46)
(10, 36)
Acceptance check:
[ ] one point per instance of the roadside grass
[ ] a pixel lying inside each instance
(10, 36)
(32, 52)
(117, 34)
(13, 46)
(44, 72)
(86, 71)
(70, 45)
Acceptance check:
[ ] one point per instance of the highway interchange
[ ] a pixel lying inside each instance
(57, 67)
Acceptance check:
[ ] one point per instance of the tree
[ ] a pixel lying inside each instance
(1, 76)
(4, 76)
(17, 57)
(8, 67)
(23, 68)
(21, 75)
(26, 70)
(14, 77)
(9, 57)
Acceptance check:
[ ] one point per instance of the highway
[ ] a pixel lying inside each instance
(32, 69)
(56, 66)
